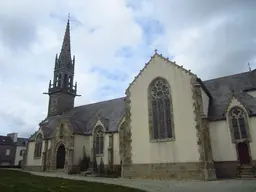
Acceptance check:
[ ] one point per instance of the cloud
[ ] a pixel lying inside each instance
(213, 38)
(112, 41)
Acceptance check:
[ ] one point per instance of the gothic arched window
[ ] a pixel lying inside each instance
(238, 124)
(61, 130)
(160, 110)
(38, 146)
(99, 140)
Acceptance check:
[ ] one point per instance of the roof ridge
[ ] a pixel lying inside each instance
(225, 76)
(99, 102)
(22, 138)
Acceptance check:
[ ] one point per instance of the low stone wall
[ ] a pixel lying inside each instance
(117, 168)
(226, 169)
(179, 171)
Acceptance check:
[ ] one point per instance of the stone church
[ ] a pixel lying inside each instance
(170, 124)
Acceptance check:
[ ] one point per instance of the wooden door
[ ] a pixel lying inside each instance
(243, 153)
(61, 154)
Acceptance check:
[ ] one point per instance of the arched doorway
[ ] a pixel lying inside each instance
(61, 154)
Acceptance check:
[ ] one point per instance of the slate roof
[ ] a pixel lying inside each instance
(21, 141)
(83, 118)
(221, 90)
(6, 140)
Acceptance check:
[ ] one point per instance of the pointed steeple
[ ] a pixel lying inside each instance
(63, 90)
(65, 54)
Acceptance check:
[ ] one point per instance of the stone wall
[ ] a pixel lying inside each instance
(179, 171)
(68, 140)
(226, 169)
(202, 127)
(126, 148)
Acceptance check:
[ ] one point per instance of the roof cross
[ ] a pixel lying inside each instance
(249, 67)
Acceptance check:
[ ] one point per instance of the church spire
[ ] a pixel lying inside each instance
(64, 59)
(63, 90)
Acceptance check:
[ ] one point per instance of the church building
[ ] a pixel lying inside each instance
(169, 125)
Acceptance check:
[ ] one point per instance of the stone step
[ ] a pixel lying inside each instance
(246, 167)
(247, 177)
(246, 172)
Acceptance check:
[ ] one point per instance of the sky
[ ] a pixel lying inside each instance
(112, 40)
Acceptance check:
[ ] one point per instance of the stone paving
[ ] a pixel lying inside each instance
(167, 186)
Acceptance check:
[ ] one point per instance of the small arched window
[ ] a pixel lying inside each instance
(65, 81)
(121, 140)
(160, 110)
(38, 146)
(99, 140)
(238, 124)
(61, 130)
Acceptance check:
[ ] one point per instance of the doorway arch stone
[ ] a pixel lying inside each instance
(60, 156)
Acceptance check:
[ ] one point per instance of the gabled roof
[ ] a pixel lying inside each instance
(83, 118)
(166, 59)
(221, 90)
(32, 137)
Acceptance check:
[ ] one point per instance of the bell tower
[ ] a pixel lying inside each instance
(62, 91)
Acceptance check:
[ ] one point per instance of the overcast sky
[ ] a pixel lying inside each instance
(112, 41)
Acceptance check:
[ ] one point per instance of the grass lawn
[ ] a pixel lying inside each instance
(17, 181)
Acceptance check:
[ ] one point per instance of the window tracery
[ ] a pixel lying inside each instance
(238, 124)
(160, 110)
(99, 140)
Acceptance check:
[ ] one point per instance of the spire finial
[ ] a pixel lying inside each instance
(249, 66)
(68, 17)
(155, 51)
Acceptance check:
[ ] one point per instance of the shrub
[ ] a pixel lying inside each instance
(101, 167)
(95, 165)
(74, 170)
(84, 163)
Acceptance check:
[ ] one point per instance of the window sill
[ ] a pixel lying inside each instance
(99, 155)
(162, 140)
(36, 158)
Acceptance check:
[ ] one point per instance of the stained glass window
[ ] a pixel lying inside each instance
(99, 140)
(238, 124)
(38, 146)
(160, 103)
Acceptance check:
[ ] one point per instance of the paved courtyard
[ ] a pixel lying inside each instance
(167, 186)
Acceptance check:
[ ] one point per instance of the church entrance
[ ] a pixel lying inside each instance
(243, 153)
(61, 154)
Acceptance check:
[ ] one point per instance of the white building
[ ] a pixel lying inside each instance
(171, 124)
